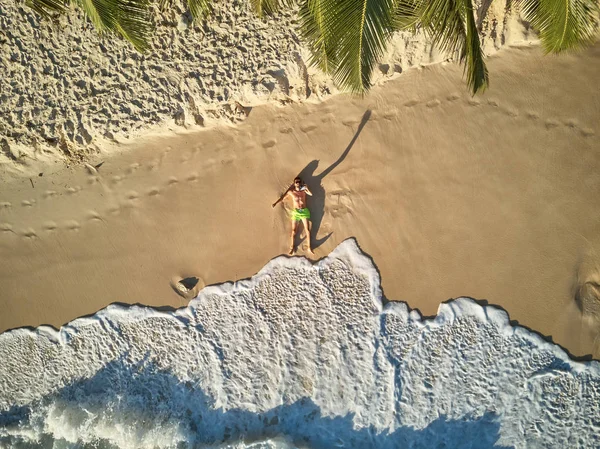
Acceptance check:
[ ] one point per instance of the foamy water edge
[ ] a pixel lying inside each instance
(413, 379)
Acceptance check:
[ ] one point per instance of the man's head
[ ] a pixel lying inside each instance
(297, 182)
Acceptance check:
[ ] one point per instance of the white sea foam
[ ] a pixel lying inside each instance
(299, 356)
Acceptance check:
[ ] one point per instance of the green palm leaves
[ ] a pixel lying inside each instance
(348, 37)
(562, 24)
(46, 8)
(268, 7)
(130, 18)
(451, 25)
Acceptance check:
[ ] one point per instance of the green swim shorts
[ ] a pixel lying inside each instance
(299, 214)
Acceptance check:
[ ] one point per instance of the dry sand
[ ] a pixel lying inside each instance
(67, 91)
(495, 197)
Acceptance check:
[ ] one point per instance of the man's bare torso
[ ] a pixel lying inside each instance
(298, 197)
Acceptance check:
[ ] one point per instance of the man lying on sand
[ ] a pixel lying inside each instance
(297, 191)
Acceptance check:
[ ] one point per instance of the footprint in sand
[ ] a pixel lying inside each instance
(342, 204)
(92, 215)
(571, 124)
(27, 203)
(6, 227)
(72, 225)
(192, 178)
(73, 190)
(309, 127)
(587, 285)
(5, 205)
(551, 123)
(128, 205)
(115, 210)
(286, 130)
(153, 191)
(49, 226)
(186, 158)
(474, 102)
(511, 112)
(93, 180)
(390, 115)
(116, 179)
(350, 122)
(49, 193)
(132, 168)
(173, 180)
(453, 97)
(587, 132)
(433, 103)
(493, 103)
(209, 163)
(132, 195)
(411, 103)
(29, 233)
(532, 115)
(269, 143)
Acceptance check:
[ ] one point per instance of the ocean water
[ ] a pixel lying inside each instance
(299, 356)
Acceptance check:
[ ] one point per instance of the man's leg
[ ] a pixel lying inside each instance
(294, 228)
(307, 225)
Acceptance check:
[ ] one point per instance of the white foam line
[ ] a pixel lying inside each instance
(347, 252)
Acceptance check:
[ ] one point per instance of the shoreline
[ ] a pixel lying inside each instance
(488, 203)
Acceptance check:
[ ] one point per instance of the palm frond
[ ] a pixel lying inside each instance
(268, 7)
(130, 18)
(407, 14)
(199, 8)
(356, 32)
(451, 24)
(562, 24)
(314, 33)
(477, 73)
(45, 8)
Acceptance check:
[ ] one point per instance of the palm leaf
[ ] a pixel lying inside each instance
(355, 33)
(562, 24)
(198, 8)
(407, 14)
(45, 8)
(452, 26)
(313, 32)
(130, 18)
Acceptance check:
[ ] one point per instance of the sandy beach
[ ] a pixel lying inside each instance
(493, 197)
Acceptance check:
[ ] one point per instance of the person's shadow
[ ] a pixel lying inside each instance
(316, 203)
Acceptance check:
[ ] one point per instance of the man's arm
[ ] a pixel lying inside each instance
(281, 197)
(308, 192)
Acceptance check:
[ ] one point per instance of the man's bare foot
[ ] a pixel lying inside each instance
(292, 251)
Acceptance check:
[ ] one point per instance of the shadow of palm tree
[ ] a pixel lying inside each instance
(313, 181)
